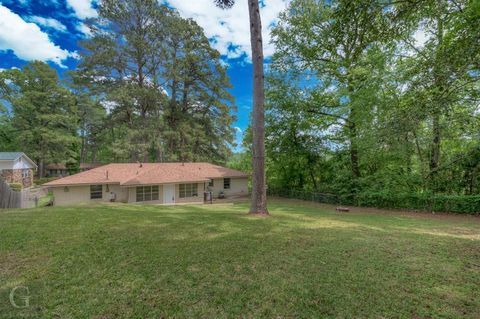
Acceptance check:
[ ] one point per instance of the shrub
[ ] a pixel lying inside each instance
(43, 180)
(15, 186)
(423, 202)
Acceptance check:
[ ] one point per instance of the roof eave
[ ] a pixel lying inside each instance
(163, 183)
(80, 184)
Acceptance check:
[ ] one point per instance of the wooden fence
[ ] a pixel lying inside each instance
(8, 197)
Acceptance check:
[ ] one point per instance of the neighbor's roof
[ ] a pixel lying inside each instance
(11, 156)
(130, 174)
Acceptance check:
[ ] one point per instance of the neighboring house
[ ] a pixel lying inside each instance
(59, 170)
(163, 183)
(16, 167)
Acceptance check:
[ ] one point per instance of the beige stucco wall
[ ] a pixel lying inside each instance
(81, 194)
(121, 192)
(75, 195)
(238, 187)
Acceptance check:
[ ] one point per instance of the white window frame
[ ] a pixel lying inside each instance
(188, 190)
(147, 193)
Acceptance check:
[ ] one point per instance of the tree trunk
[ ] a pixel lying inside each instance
(312, 174)
(435, 151)
(352, 135)
(354, 151)
(354, 166)
(94, 154)
(438, 107)
(41, 168)
(259, 192)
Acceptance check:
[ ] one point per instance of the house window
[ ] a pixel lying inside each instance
(147, 193)
(210, 183)
(188, 190)
(96, 191)
(226, 183)
(25, 173)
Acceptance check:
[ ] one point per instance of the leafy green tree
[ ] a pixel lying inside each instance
(443, 77)
(163, 84)
(6, 131)
(338, 44)
(44, 114)
(357, 106)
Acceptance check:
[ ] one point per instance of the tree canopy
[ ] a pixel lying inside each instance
(148, 87)
(375, 96)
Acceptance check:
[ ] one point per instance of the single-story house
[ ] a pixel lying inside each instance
(16, 167)
(59, 170)
(162, 183)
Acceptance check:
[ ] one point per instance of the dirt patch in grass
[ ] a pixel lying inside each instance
(12, 265)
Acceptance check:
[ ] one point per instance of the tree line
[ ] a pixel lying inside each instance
(373, 96)
(148, 87)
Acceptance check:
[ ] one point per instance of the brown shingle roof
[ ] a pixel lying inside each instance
(128, 174)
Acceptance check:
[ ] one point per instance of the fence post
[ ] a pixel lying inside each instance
(8, 197)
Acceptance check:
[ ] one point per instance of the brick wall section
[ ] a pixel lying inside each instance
(15, 176)
(7, 175)
(27, 181)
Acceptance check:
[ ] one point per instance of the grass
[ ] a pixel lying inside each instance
(45, 200)
(129, 261)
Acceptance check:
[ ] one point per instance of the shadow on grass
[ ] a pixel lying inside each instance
(126, 261)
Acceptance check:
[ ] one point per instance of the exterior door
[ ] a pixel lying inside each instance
(169, 194)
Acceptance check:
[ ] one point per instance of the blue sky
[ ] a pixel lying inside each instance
(49, 30)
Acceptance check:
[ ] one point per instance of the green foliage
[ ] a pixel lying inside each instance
(241, 161)
(43, 120)
(164, 85)
(7, 134)
(149, 87)
(356, 107)
(15, 186)
(422, 202)
(43, 180)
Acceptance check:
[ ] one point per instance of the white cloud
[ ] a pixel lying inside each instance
(27, 41)
(48, 23)
(82, 27)
(12, 68)
(237, 129)
(83, 8)
(230, 28)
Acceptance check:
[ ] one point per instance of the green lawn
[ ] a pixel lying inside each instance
(128, 261)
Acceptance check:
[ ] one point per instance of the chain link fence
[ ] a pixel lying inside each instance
(324, 198)
(464, 204)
